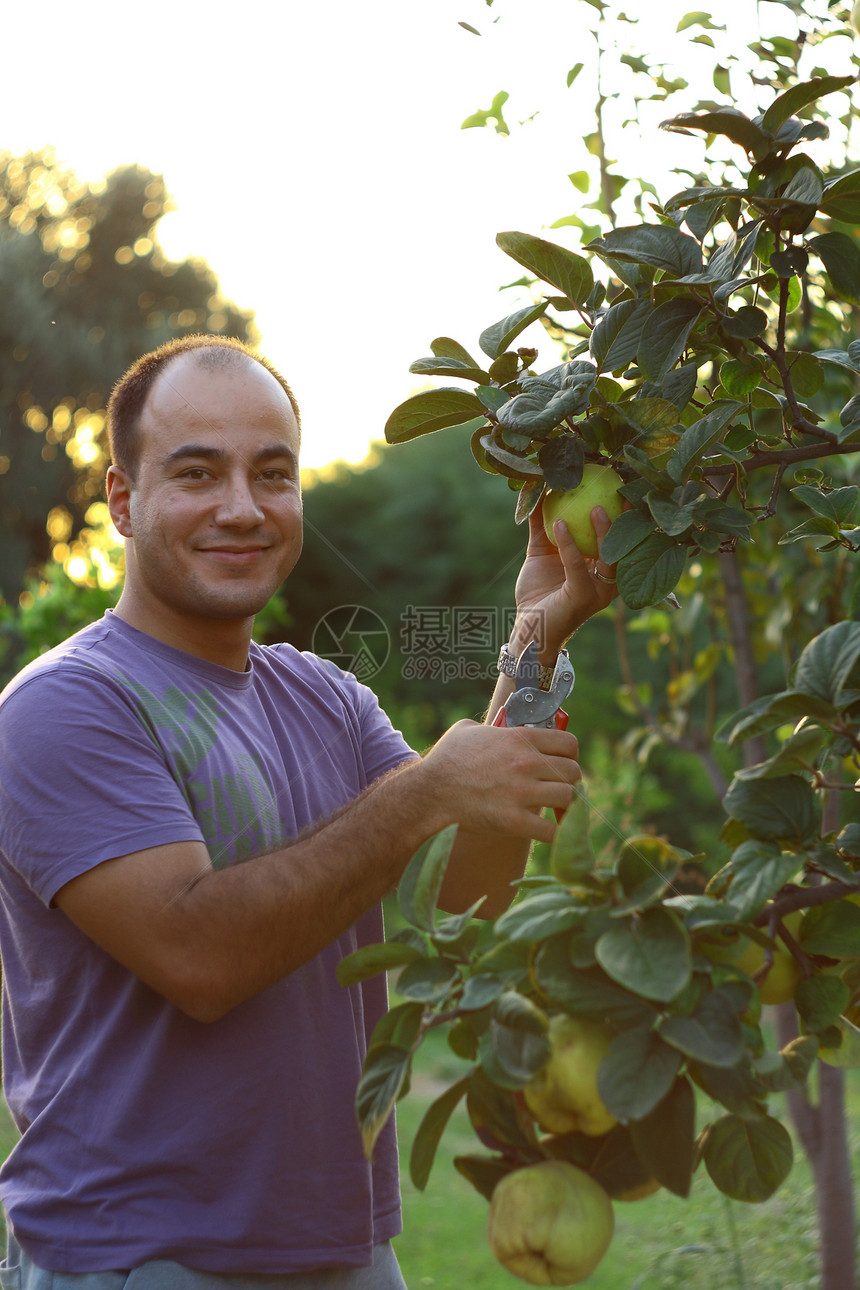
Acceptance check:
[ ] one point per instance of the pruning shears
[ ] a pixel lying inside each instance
(529, 705)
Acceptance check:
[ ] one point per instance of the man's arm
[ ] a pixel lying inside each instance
(209, 939)
(557, 591)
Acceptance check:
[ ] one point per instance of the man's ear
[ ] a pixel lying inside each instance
(118, 485)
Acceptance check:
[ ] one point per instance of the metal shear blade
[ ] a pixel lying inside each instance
(531, 706)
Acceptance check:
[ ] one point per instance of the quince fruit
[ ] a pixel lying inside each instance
(550, 1224)
(563, 1096)
(782, 978)
(599, 487)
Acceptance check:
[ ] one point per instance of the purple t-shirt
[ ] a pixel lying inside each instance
(231, 1146)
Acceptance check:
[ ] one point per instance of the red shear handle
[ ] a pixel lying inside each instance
(501, 719)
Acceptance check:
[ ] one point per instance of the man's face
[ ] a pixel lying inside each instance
(215, 512)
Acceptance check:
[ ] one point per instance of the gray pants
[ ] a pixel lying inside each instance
(19, 1272)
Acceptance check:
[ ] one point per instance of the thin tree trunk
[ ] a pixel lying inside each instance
(821, 1129)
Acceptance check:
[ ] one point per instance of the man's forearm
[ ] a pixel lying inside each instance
(261, 920)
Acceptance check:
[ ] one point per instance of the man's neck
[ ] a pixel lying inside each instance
(225, 643)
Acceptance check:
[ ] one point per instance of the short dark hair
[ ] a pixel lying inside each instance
(131, 391)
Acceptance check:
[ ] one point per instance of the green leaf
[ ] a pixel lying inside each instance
(770, 711)
(777, 1073)
(846, 1054)
(832, 929)
(839, 504)
(645, 868)
(841, 258)
(838, 357)
(430, 1132)
(510, 463)
(457, 930)
(429, 981)
(746, 323)
(528, 497)
(665, 335)
(827, 662)
(431, 410)
(615, 340)
(701, 911)
(697, 19)
(779, 810)
(480, 991)
(660, 245)
(570, 855)
(504, 368)
(650, 571)
(807, 374)
(541, 407)
(664, 1139)
(818, 527)
(758, 870)
(562, 461)
(499, 1119)
(386, 1071)
(735, 1088)
(445, 347)
(657, 428)
(636, 1073)
(712, 1034)
(496, 339)
(541, 915)
(700, 436)
(798, 752)
(516, 1041)
(841, 198)
(740, 376)
(418, 890)
(649, 954)
(792, 100)
(626, 532)
(729, 122)
(585, 993)
(677, 387)
(748, 1159)
(673, 519)
(492, 113)
(553, 264)
(573, 73)
(448, 367)
(373, 959)
(485, 1172)
(400, 1026)
(820, 1000)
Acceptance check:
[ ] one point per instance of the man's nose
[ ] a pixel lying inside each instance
(237, 504)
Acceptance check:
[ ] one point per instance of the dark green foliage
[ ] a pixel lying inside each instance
(84, 290)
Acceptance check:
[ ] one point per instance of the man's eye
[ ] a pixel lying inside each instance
(195, 473)
(274, 476)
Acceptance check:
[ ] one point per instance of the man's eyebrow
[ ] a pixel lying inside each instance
(206, 452)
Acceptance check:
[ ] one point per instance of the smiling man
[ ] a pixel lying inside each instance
(194, 830)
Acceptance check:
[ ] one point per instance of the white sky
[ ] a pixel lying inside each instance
(314, 153)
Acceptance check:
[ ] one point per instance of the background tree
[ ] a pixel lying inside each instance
(84, 289)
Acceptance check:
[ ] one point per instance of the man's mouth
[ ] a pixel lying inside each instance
(234, 554)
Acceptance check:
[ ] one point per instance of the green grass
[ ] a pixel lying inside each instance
(706, 1242)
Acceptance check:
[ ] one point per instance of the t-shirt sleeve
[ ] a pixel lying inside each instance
(81, 780)
(382, 747)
